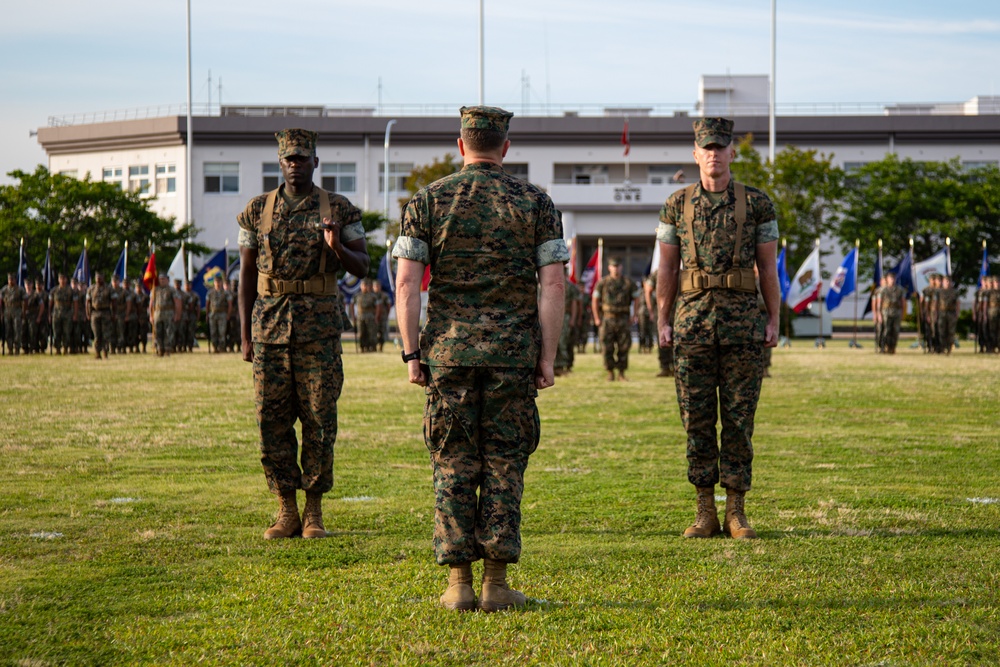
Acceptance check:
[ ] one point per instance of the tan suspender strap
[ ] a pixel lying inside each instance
(321, 284)
(689, 224)
(266, 222)
(740, 191)
(324, 214)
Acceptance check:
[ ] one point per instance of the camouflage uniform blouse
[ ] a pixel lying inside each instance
(615, 295)
(99, 297)
(13, 297)
(891, 298)
(62, 300)
(484, 234)
(723, 316)
(217, 302)
(296, 241)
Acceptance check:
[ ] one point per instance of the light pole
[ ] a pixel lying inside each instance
(385, 166)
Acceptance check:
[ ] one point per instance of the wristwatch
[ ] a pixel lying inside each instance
(411, 356)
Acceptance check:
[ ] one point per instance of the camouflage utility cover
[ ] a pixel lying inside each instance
(484, 234)
(296, 142)
(708, 131)
(486, 118)
(724, 316)
(296, 241)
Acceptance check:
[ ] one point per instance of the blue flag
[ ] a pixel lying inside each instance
(386, 279)
(48, 276)
(845, 281)
(22, 266)
(234, 270)
(349, 286)
(984, 267)
(904, 274)
(120, 269)
(876, 282)
(204, 280)
(82, 273)
(784, 282)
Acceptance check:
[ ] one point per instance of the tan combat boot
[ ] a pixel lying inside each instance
(611, 376)
(288, 523)
(706, 522)
(312, 516)
(459, 596)
(621, 375)
(736, 525)
(496, 595)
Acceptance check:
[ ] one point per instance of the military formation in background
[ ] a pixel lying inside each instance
(986, 315)
(115, 318)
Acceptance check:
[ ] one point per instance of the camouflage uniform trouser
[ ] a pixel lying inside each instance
(616, 339)
(132, 332)
(143, 329)
(119, 338)
(646, 331)
(299, 381)
(12, 321)
(666, 358)
(890, 333)
(383, 330)
(367, 336)
(217, 323)
(480, 426)
(30, 334)
(103, 328)
(163, 332)
(62, 329)
(946, 330)
(564, 351)
(721, 380)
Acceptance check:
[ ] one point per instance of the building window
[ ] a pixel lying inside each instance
(851, 167)
(138, 179)
(398, 173)
(112, 175)
(166, 179)
(339, 176)
(69, 173)
(978, 164)
(272, 176)
(517, 170)
(222, 177)
(590, 174)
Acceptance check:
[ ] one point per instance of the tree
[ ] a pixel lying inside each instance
(897, 199)
(427, 174)
(805, 187)
(43, 206)
(373, 221)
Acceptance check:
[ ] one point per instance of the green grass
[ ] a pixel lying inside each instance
(872, 552)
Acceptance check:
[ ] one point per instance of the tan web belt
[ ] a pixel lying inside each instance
(323, 284)
(614, 311)
(695, 280)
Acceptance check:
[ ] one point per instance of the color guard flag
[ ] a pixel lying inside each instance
(22, 266)
(626, 139)
(204, 280)
(349, 286)
(904, 274)
(149, 276)
(936, 263)
(591, 273)
(984, 267)
(82, 272)
(784, 282)
(806, 283)
(176, 271)
(120, 269)
(48, 275)
(876, 282)
(385, 277)
(844, 281)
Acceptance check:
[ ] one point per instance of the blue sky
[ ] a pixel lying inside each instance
(61, 57)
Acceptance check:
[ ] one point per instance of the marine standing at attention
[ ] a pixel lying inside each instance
(292, 242)
(487, 347)
(615, 305)
(719, 229)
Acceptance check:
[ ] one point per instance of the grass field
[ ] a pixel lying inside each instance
(132, 506)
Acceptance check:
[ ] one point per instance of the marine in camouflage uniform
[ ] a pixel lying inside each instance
(118, 292)
(947, 316)
(366, 307)
(647, 329)
(615, 299)
(12, 296)
(100, 315)
(292, 242)
(217, 307)
(991, 309)
(33, 313)
(719, 229)
(488, 345)
(929, 313)
(567, 344)
(62, 304)
(233, 326)
(42, 339)
(131, 299)
(165, 314)
(888, 308)
(381, 314)
(142, 312)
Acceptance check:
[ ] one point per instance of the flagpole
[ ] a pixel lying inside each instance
(48, 309)
(857, 292)
(125, 266)
(921, 334)
(788, 315)
(820, 341)
(947, 254)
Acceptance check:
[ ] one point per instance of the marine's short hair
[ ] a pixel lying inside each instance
(480, 140)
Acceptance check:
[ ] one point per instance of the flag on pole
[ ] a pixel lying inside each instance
(149, 275)
(591, 273)
(48, 275)
(654, 262)
(425, 282)
(177, 269)
(784, 282)
(386, 277)
(806, 284)
(233, 272)
(572, 261)
(984, 266)
(904, 274)
(349, 286)
(626, 139)
(120, 269)
(936, 263)
(204, 280)
(82, 272)
(845, 281)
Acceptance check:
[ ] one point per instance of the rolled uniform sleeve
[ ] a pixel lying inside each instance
(551, 252)
(352, 232)
(667, 233)
(413, 249)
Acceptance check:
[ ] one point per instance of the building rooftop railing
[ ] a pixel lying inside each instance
(975, 106)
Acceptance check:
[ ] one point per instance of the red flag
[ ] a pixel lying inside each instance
(626, 140)
(149, 276)
(572, 261)
(592, 272)
(426, 279)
